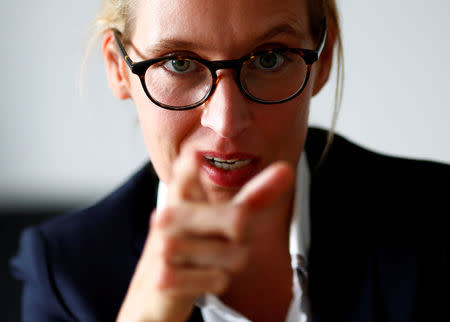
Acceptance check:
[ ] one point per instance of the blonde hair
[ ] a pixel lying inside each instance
(318, 10)
(120, 14)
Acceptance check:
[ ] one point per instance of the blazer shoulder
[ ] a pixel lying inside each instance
(80, 264)
(392, 193)
(343, 151)
(352, 161)
(40, 299)
(135, 198)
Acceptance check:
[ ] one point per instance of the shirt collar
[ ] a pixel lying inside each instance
(300, 236)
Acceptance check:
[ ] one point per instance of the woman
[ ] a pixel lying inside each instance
(222, 93)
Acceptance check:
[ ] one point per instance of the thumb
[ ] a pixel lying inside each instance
(267, 187)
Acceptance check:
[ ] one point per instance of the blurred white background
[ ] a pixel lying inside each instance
(58, 148)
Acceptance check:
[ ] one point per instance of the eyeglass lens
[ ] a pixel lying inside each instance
(271, 76)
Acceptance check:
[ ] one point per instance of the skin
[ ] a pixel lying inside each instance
(229, 241)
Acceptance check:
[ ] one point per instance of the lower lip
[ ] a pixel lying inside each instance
(230, 178)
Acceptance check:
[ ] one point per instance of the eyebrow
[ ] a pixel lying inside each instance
(284, 28)
(168, 44)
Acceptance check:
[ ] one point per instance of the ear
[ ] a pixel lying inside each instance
(325, 62)
(116, 67)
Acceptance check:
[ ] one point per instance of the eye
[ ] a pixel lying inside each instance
(179, 65)
(269, 61)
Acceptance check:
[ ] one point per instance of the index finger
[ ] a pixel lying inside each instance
(185, 183)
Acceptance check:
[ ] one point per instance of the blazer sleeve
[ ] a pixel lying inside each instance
(41, 301)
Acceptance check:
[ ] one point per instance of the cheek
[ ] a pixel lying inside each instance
(285, 130)
(165, 133)
(154, 124)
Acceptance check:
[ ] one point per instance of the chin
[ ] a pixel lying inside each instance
(219, 194)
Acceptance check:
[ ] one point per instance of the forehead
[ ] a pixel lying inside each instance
(218, 25)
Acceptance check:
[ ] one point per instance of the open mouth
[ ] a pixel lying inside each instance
(230, 164)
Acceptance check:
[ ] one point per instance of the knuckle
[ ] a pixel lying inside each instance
(183, 192)
(163, 218)
(238, 221)
(169, 246)
(165, 278)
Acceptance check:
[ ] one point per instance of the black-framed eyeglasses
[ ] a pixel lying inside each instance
(182, 82)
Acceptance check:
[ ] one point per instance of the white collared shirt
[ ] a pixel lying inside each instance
(213, 309)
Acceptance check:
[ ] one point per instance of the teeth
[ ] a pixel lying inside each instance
(222, 160)
(230, 164)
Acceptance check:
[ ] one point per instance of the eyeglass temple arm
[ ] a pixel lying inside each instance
(128, 60)
(323, 38)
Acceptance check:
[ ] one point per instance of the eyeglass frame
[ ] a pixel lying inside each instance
(140, 68)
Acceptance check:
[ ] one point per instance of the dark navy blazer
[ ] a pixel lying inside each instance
(380, 248)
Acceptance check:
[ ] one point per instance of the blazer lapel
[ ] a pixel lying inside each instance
(196, 315)
(398, 271)
(341, 257)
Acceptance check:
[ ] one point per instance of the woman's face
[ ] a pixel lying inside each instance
(229, 126)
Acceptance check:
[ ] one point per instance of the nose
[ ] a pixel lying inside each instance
(228, 111)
